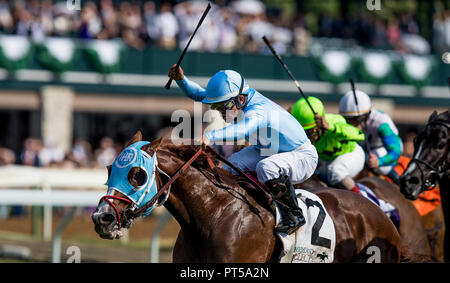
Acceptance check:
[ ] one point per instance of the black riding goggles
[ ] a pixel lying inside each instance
(223, 106)
(355, 119)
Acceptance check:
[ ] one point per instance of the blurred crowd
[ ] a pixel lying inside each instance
(82, 155)
(230, 26)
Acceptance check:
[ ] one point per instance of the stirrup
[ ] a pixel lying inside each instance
(290, 223)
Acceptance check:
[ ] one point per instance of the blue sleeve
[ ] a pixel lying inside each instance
(392, 143)
(237, 131)
(191, 89)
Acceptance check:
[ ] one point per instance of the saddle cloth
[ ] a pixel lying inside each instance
(314, 242)
(387, 208)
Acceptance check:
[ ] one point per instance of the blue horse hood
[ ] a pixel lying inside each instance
(130, 157)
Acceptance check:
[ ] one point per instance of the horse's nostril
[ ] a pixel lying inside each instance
(413, 181)
(107, 218)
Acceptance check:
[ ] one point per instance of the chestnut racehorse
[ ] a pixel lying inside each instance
(225, 222)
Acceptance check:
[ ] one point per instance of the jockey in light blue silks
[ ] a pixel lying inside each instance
(280, 152)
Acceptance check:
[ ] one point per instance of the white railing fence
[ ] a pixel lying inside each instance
(49, 187)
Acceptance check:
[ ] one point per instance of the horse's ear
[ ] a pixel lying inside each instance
(137, 137)
(433, 116)
(152, 147)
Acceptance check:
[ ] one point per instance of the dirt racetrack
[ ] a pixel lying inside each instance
(16, 231)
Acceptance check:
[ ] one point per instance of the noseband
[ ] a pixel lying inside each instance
(108, 198)
(430, 179)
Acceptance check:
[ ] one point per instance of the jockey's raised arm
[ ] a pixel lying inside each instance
(192, 89)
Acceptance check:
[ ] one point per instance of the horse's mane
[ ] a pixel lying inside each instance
(187, 149)
(444, 116)
(441, 117)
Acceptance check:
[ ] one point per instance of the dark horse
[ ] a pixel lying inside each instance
(224, 222)
(431, 166)
(412, 230)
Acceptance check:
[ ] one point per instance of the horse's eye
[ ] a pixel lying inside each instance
(441, 145)
(137, 177)
(141, 177)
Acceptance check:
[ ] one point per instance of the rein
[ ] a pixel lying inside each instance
(131, 213)
(267, 194)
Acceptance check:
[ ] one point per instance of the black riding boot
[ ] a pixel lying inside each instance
(291, 215)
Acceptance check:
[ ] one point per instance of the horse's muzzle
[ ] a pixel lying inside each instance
(410, 186)
(106, 225)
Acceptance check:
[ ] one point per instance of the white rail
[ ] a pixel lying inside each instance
(59, 187)
(55, 187)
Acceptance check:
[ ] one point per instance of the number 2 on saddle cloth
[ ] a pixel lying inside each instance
(429, 200)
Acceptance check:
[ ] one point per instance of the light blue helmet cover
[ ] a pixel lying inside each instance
(130, 157)
(223, 86)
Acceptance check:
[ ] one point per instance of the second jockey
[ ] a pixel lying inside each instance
(336, 141)
(385, 144)
(280, 153)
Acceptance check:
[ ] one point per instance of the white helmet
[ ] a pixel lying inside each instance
(348, 107)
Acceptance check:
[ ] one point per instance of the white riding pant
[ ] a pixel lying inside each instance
(384, 170)
(298, 164)
(348, 164)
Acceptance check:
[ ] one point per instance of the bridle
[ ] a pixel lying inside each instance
(431, 179)
(130, 213)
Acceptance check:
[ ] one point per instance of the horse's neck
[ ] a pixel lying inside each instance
(193, 198)
(444, 183)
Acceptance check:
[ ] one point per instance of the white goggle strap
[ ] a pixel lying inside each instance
(168, 190)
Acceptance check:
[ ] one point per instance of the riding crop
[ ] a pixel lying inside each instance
(275, 53)
(189, 42)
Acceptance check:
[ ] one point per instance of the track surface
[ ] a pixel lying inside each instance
(17, 231)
